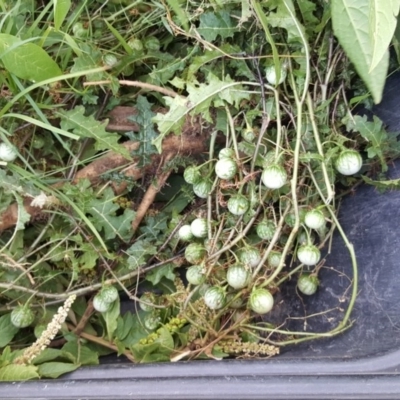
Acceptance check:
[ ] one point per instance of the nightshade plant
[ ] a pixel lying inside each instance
(189, 158)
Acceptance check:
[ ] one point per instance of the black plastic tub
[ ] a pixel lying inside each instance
(361, 363)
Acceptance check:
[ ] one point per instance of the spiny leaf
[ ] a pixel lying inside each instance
(374, 134)
(103, 211)
(146, 133)
(139, 252)
(214, 24)
(201, 97)
(88, 127)
(165, 271)
(392, 184)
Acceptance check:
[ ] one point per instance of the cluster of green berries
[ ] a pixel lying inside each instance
(173, 325)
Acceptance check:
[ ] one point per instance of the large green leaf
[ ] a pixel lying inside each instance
(26, 60)
(14, 372)
(55, 369)
(352, 23)
(383, 20)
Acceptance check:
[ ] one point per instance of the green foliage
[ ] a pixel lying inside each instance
(88, 127)
(146, 133)
(26, 60)
(7, 330)
(214, 24)
(365, 29)
(380, 144)
(201, 97)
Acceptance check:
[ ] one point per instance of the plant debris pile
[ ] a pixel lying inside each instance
(189, 158)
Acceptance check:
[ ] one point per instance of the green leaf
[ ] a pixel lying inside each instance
(146, 133)
(282, 18)
(50, 354)
(216, 24)
(7, 330)
(83, 355)
(374, 133)
(26, 60)
(160, 350)
(148, 353)
(154, 225)
(14, 372)
(103, 211)
(89, 58)
(352, 21)
(87, 127)
(383, 21)
(180, 13)
(61, 8)
(139, 252)
(201, 97)
(111, 319)
(134, 326)
(392, 184)
(124, 325)
(55, 369)
(165, 271)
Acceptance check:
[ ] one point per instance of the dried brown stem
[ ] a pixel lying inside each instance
(142, 85)
(150, 194)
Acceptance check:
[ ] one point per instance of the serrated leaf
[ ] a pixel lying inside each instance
(26, 60)
(165, 271)
(199, 100)
(383, 21)
(351, 20)
(88, 127)
(55, 369)
(103, 211)
(15, 372)
(172, 121)
(7, 330)
(154, 225)
(392, 184)
(61, 8)
(139, 252)
(310, 21)
(214, 24)
(90, 57)
(282, 18)
(374, 134)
